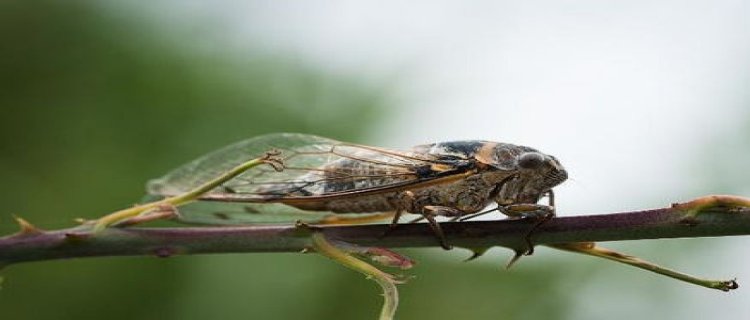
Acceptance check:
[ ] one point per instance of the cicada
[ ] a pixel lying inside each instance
(320, 175)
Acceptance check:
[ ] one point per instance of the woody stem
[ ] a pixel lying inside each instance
(647, 224)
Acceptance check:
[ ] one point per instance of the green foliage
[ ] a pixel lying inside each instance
(98, 102)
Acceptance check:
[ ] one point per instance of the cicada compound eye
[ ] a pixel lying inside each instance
(530, 160)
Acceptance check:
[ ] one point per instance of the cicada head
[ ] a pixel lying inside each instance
(535, 174)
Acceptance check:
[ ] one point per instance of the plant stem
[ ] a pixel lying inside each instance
(177, 200)
(649, 224)
(386, 281)
(590, 248)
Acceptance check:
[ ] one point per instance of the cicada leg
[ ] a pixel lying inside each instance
(430, 212)
(530, 211)
(394, 223)
(539, 212)
(396, 216)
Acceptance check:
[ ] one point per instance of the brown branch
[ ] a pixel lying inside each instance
(32, 244)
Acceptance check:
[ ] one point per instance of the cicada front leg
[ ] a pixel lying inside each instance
(537, 212)
(531, 211)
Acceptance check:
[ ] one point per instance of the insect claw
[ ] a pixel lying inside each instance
(445, 245)
(527, 238)
(438, 231)
(530, 249)
(429, 213)
(394, 223)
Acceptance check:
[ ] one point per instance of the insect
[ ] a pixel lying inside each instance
(453, 179)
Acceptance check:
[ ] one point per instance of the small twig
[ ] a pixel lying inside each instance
(387, 282)
(136, 211)
(590, 248)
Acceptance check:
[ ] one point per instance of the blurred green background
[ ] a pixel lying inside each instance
(96, 102)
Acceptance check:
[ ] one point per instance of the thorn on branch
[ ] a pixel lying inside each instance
(476, 253)
(26, 228)
(517, 254)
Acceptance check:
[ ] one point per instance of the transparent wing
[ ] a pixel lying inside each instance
(212, 165)
(314, 168)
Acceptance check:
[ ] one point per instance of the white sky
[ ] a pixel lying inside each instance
(624, 93)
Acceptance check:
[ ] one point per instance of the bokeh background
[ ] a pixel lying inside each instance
(646, 103)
